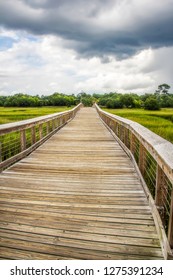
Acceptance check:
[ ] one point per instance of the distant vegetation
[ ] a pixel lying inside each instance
(154, 101)
(25, 100)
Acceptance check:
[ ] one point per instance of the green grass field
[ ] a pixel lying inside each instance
(14, 114)
(160, 122)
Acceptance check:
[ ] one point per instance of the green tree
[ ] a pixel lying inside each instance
(114, 103)
(3, 100)
(87, 101)
(151, 103)
(127, 100)
(164, 88)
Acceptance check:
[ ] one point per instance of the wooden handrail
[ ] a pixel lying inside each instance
(17, 126)
(153, 156)
(20, 138)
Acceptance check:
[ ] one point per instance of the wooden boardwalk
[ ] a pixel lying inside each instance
(77, 196)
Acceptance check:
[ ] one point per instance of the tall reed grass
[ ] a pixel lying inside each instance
(160, 122)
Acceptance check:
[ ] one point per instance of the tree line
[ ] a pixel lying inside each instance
(161, 98)
(25, 100)
(113, 100)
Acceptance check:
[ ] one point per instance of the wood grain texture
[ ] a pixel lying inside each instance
(77, 196)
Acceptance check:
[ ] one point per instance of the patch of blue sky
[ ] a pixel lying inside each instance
(28, 36)
(6, 43)
(32, 38)
(31, 60)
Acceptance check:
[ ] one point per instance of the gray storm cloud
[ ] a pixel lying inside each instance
(109, 27)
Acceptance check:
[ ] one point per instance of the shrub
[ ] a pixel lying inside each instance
(151, 103)
(87, 101)
(114, 104)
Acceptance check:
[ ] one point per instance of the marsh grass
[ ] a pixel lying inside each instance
(160, 122)
(15, 114)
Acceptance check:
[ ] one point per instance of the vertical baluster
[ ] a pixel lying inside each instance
(69, 116)
(159, 186)
(33, 135)
(113, 126)
(142, 158)
(118, 129)
(41, 131)
(122, 133)
(23, 140)
(160, 192)
(126, 136)
(132, 143)
(60, 121)
(110, 123)
(53, 124)
(47, 128)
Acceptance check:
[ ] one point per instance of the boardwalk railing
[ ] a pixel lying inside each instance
(20, 138)
(154, 157)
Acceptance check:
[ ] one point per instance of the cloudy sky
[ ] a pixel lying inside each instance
(85, 45)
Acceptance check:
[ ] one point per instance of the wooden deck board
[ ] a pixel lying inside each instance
(77, 196)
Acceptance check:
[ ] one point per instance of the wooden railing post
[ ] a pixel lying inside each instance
(132, 140)
(142, 158)
(53, 125)
(159, 187)
(48, 127)
(41, 131)
(170, 227)
(33, 136)
(23, 140)
(126, 136)
(116, 128)
(160, 193)
(60, 121)
(56, 122)
(122, 133)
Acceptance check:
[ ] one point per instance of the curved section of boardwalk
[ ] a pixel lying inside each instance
(76, 197)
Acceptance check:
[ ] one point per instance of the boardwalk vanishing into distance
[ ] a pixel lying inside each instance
(77, 196)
